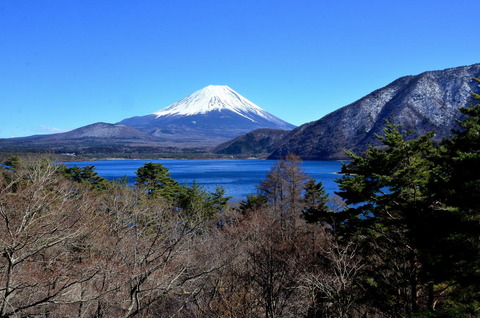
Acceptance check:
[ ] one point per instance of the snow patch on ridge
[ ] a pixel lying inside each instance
(213, 98)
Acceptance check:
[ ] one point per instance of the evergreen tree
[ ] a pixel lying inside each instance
(217, 201)
(196, 201)
(193, 201)
(253, 202)
(390, 208)
(315, 201)
(13, 162)
(456, 184)
(463, 159)
(85, 175)
(155, 178)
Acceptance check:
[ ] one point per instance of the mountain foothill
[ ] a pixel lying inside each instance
(218, 120)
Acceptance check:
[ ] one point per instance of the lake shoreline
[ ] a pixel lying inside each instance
(239, 177)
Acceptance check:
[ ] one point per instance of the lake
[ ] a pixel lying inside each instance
(238, 177)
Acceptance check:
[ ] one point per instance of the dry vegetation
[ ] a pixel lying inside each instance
(72, 249)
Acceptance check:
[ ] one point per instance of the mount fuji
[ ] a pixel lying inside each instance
(211, 115)
(198, 122)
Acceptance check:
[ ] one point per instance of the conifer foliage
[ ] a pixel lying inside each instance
(414, 215)
(155, 179)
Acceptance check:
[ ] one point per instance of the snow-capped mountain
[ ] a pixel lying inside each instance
(212, 114)
(215, 98)
(194, 124)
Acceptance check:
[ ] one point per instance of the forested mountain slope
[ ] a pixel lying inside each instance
(259, 141)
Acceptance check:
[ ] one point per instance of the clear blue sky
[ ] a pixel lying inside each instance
(66, 64)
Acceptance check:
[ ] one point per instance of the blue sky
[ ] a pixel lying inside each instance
(66, 64)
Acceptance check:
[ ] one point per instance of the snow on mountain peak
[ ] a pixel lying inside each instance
(213, 98)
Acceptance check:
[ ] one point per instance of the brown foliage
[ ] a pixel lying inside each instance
(278, 271)
(42, 223)
(68, 250)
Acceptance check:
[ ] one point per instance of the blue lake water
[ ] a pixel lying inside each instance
(238, 177)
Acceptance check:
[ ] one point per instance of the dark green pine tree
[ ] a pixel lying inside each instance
(315, 202)
(463, 152)
(13, 162)
(253, 203)
(457, 187)
(200, 205)
(390, 209)
(155, 178)
(193, 200)
(218, 201)
(86, 175)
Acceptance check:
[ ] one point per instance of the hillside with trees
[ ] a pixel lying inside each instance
(400, 238)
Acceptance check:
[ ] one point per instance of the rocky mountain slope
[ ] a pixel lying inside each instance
(423, 103)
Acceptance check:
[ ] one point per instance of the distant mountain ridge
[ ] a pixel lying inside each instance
(93, 138)
(196, 123)
(100, 130)
(423, 103)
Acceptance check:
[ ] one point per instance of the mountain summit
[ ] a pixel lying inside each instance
(210, 115)
(214, 98)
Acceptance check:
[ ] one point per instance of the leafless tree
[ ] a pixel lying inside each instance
(331, 281)
(262, 278)
(68, 250)
(41, 218)
(283, 188)
(153, 253)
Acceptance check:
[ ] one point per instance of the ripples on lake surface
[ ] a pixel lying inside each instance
(238, 177)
